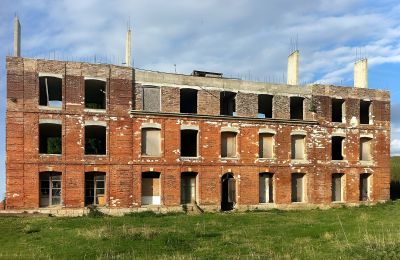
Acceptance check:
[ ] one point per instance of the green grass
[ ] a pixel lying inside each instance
(357, 233)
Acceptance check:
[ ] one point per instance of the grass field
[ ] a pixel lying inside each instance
(395, 168)
(361, 233)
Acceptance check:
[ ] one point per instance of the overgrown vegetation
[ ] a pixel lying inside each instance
(395, 177)
(342, 233)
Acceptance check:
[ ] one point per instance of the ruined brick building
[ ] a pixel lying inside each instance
(80, 134)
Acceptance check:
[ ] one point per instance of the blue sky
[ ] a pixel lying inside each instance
(241, 38)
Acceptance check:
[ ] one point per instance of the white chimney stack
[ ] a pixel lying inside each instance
(293, 68)
(361, 74)
(128, 57)
(17, 37)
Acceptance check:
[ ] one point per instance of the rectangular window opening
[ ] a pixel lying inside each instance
(95, 94)
(298, 147)
(228, 144)
(151, 188)
(50, 91)
(298, 187)
(227, 103)
(266, 145)
(189, 143)
(365, 149)
(337, 110)
(296, 107)
(151, 99)
(265, 106)
(95, 140)
(151, 142)
(188, 188)
(337, 187)
(266, 188)
(188, 98)
(364, 186)
(95, 188)
(337, 147)
(365, 110)
(50, 141)
(50, 189)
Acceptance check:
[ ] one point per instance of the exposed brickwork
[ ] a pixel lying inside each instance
(124, 164)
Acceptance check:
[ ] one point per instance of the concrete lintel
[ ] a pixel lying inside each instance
(367, 136)
(150, 125)
(341, 134)
(54, 75)
(50, 121)
(229, 129)
(190, 127)
(98, 123)
(298, 132)
(95, 78)
(267, 131)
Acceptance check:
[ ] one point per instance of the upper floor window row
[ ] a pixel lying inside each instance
(338, 111)
(51, 94)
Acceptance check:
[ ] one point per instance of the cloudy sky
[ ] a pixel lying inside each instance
(250, 39)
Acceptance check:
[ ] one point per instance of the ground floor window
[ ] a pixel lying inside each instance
(95, 188)
(151, 188)
(188, 187)
(50, 189)
(298, 187)
(266, 189)
(337, 187)
(364, 186)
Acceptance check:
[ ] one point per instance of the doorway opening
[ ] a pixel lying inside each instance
(228, 192)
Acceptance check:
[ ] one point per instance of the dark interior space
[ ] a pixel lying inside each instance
(50, 139)
(265, 105)
(228, 193)
(296, 108)
(337, 110)
(188, 100)
(189, 143)
(95, 188)
(50, 91)
(95, 94)
(364, 111)
(337, 148)
(227, 103)
(95, 139)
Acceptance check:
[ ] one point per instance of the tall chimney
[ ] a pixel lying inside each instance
(293, 68)
(128, 57)
(17, 37)
(361, 74)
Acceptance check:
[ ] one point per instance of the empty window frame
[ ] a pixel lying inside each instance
(337, 187)
(189, 143)
(365, 179)
(298, 187)
(337, 147)
(50, 138)
(188, 98)
(50, 91)
(50, 189)
(338, 110)
(365, 149)
(298, 147)
(266, 145)
(151, 187)
(228, 144)
(265, 106)
(95, 140)
(227, 103)
(151, 99)
(95, 94)
(266, 188)
(296, 107)
(95, 185)
(188, 187)
(365, 112)
(151, 142)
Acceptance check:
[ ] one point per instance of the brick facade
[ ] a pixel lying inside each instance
(123, 163)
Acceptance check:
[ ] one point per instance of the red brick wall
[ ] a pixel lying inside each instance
(124, 164)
